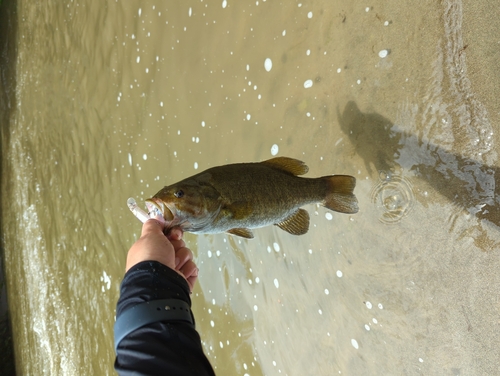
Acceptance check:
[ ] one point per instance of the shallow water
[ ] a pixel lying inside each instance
(117, 99)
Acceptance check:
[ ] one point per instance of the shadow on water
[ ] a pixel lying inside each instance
(384, 145)
(8, 53)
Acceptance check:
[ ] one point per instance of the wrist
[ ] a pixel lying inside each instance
(151, 280)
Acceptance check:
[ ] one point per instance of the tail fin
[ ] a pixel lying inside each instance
(340, 196)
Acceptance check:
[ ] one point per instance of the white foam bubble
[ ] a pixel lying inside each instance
(339, 274)
(380, 306)
(354, 343)
(195, 165)
(274, 149)
(368, 305)
(224, 4)
(327, 292)
(276, 247)
(130, 159)
(276, 283)
(268, 64)
(367, 327)
(329, 216)
(145, 156)
(310, 15)
(383, 53)
(255, 308)
(308, 84)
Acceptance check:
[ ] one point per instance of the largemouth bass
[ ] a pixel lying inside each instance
(236, 198)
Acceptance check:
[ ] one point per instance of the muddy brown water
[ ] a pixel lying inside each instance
(106, 100)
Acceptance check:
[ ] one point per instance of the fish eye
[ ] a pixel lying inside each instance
(179, 193)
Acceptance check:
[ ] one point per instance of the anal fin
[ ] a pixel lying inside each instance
(296, 224)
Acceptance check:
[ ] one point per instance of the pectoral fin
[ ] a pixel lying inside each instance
(290, 165)
(243, 232)
(297, 223)
(238, 210)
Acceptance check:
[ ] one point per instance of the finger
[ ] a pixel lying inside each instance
(190, 273)
(189, 270)
(192, 282)
(178, 244)
(151, 226)
(182, 256)
(175, 234)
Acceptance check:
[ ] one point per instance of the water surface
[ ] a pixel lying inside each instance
(117, 99)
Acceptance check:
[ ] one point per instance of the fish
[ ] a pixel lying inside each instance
(236, 198)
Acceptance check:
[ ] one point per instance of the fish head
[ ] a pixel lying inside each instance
(189, 204)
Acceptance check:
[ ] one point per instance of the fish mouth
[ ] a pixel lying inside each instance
(157, 208)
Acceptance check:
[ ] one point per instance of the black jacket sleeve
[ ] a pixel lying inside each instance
(161, 348)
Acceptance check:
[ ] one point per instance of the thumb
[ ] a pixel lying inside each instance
(152, 226)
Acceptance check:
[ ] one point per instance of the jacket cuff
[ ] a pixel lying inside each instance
(151, 280)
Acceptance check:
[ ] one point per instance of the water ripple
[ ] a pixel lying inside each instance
(393, 197)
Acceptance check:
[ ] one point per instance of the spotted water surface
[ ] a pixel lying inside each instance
(108, 100)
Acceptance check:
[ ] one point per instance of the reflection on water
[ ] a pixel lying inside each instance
(388, 148)
(117, 99)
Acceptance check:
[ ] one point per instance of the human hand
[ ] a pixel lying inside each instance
(169, 250)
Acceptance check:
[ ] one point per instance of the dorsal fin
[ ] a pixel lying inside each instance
(290, 165)
(297, 223)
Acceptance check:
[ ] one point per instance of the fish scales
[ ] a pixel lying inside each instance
(235, 198)
(272, 192)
